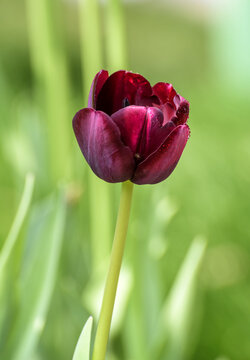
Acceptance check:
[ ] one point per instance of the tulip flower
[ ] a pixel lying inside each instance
(130, 130)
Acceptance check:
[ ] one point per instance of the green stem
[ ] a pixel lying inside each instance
(103, 327)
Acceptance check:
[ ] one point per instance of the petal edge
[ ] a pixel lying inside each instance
(100, 142)
(159, 165)
(96, 87)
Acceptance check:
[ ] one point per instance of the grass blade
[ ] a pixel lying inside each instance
(49, 67)
(18, 222)
(178, 311)
(38, 273)
(181, 301)
(92, 62)
(83, 345)
(115, 36)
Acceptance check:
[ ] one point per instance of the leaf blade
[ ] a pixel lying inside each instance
(82, 349)
(18, 221)
(37, 277)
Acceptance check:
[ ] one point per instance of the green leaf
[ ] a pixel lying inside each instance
(180, 308)
(9, 257)
(83, 345)
(181, 303)
(17, 223)
(37, 278)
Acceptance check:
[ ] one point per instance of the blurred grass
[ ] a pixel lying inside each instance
(92, 62)
(38, 272)
(82, 351)
(207, 194)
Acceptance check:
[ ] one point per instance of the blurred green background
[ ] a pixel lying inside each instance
(176, 299)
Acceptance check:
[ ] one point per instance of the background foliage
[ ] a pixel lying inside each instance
(176, 300)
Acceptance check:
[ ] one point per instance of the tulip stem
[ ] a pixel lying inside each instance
(108, 301)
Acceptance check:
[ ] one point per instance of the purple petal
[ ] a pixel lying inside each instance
(100, 142)
(154, 133)
(169, 112)
(122, 86)
(158, 166)
(182, 112)
(130, 121)
(174, 107)
(164, 91)
(141, 129)
(96, 86)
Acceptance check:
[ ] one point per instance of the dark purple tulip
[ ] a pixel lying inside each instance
(130, 130)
